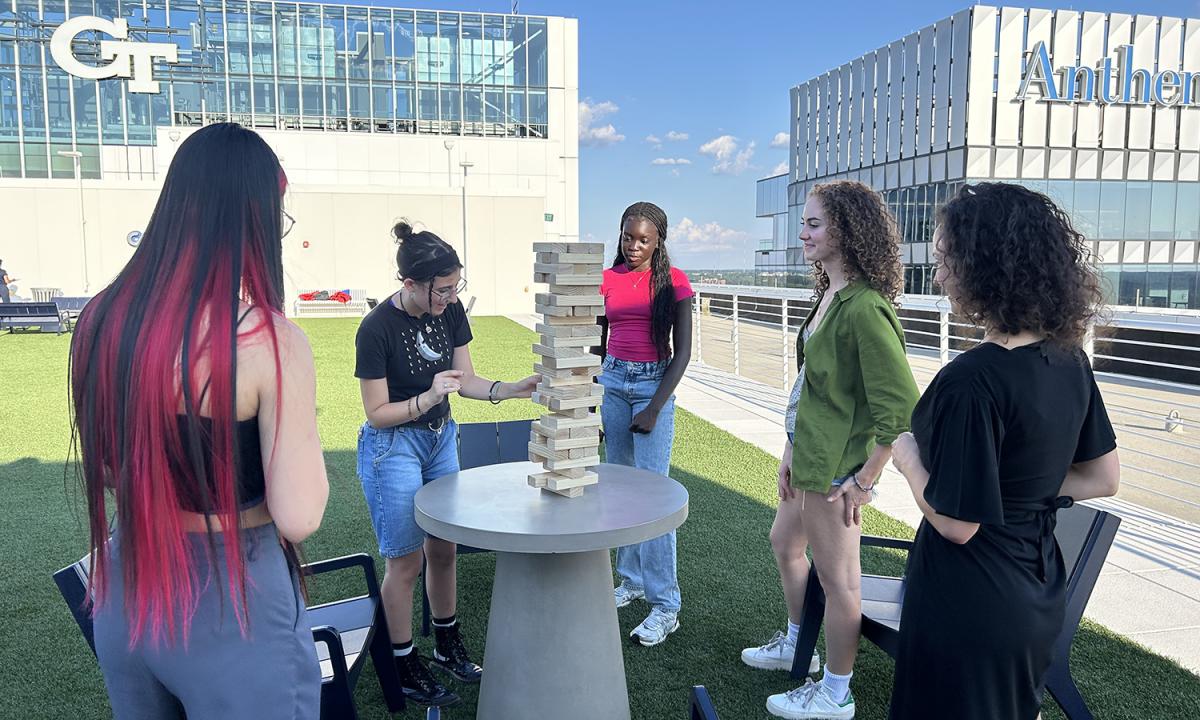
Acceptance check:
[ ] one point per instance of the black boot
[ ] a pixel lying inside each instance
(419, 684)
(451, 655)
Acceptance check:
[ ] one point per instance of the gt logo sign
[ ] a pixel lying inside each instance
(128, 59)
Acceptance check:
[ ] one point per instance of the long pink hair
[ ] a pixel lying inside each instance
(213, 240)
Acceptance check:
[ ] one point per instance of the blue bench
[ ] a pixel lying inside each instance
(23, 316)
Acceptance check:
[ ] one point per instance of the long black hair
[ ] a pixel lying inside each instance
(662, 290)
(422, 256)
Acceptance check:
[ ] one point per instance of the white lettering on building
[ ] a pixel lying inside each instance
(1108, 85)
(128, 59)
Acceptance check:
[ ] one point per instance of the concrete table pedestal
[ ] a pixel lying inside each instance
(553, 645)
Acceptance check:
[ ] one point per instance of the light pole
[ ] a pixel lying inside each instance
(75, 155)
(465, 164)
(449, 145)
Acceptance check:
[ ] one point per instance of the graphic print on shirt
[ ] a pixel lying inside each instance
(427, 344)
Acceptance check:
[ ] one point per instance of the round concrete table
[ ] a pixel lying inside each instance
(553, 645)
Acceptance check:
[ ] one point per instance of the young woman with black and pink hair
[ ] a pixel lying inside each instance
(195, 423)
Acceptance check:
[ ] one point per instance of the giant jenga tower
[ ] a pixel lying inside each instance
(566, 440)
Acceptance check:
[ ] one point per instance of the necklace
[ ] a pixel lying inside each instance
(638, 281)
(404, 309)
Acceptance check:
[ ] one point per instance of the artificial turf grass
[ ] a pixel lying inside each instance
(731, 596)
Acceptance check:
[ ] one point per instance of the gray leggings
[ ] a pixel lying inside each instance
(272, 672)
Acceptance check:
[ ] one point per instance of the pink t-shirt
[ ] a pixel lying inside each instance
(627, 307)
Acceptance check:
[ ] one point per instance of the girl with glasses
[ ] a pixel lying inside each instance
(411, 355)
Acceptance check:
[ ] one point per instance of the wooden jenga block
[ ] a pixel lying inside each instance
(557, 421)
(580, 258)
(592, 248)
(565, 443)
(558, 481)
(538, 480)
(561, 268)
(564, 373)
(570, 319)
(578, 361)
(566, 392)
(568, 381)
(582, 432)
(586, 402)
(582, 343)
(568, 492)
(549, 432)
(573, 289)
(584, 462)
(569, 279)
(581, 452)
(589, 331)
(546, 453)
(552, 300)
(553, 311)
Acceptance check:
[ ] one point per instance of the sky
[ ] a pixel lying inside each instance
(685, 104)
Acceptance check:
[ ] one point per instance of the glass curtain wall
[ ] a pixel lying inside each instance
(267, 64)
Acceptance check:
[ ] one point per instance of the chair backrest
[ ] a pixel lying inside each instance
(489, 443)
(702, 706)
(1084, 536)
(29, 309)
(72, 583)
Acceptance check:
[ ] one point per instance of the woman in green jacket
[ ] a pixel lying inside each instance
(855, 394)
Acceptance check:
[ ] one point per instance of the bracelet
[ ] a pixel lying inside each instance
(492, 394)
(870, 490)
(412, 413)
(417, 397)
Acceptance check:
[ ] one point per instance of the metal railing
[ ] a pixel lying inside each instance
(1147, 364)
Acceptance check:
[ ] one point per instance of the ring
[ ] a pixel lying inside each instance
(445, 386)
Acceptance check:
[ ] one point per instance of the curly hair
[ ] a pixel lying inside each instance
(1018, 263)
(866, 236)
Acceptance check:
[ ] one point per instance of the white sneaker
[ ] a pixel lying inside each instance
(777, 654)
(655, 628)
(624, 594)
(811, 701)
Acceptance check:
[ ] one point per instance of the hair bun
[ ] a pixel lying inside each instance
(402, 230)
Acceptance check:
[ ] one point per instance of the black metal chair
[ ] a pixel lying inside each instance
(702, 706)
(1084, 535)
(479, 444)
(345, 632)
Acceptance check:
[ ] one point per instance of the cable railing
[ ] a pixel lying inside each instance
(1147, 364)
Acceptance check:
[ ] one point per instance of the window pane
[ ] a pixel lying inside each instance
(538, 59)
(450, 104)
(262, 41)
(381, 47)
(514, 29)
(360, 100)
(312, 50)
(1137, 210)
(471, 49)
(238, 31)
(448, 45)
(428, 106)
(359, 41)
(1187, 212)
(1086, 214)
(333, 41)
(1112, 210)
(1162, 211)
(405, 47)
(1158, 281)
(497, 52)
(428, 61)
(1133, 287)
(286, 42)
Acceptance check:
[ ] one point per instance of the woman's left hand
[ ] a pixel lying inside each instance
(644, 421)
(852, 501)
(524, 388)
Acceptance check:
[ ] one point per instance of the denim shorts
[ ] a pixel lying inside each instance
(393, 464)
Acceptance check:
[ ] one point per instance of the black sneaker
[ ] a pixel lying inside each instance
(451, 655)
(419, 685)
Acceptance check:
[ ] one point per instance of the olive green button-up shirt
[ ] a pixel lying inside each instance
(858, 388)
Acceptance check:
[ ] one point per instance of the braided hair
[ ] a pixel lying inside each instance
(422, 256)
(662, 290)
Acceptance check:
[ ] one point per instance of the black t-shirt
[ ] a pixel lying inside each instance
(409, 351)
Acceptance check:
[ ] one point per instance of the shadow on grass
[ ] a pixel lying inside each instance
(730, 590)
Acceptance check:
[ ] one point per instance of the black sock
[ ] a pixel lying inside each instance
(445, 622)
(402, 649)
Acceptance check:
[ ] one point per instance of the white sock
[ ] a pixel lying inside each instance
(838, 685)
(401, 653)
(793, 632)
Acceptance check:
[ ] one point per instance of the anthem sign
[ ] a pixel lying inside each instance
(127, 59)
(1109, 83)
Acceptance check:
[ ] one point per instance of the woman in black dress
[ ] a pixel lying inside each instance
(1006, 434)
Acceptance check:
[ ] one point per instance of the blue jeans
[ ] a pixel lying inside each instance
(628, 389)
(393, 464)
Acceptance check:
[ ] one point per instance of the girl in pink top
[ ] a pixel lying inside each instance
(646, 343)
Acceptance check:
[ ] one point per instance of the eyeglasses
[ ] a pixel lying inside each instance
(445, 293)
(287, 223)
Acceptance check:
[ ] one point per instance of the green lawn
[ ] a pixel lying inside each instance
(730, 585)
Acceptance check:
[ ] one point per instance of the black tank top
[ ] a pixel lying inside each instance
(250, 485)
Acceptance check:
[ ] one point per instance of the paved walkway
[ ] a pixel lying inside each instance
(1149, 590)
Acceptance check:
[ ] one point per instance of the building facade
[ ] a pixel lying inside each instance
(464, 122)
(1101, 111)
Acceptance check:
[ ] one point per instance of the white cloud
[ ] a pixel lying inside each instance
(654, 139)
(780, 140)
(779, 169)
(670, 161)
(729, 157)
(676, 136)
(689, 236)
(589, 132)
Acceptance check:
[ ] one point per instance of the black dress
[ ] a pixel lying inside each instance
(998, 430)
